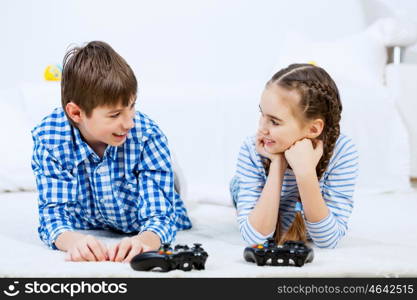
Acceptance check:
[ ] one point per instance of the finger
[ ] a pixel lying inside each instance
(76, 255)
(124, 247)
(306, 141)
(319, 144)
(135, 250)
(259, 141)
(319, 147)
(146, 248)
(104, 250)
(86, 253)
(68, 256)
(112, 252)
(97, 249)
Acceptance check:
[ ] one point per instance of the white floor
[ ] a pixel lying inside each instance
(382, 242)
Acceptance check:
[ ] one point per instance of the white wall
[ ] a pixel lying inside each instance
(164, 41)
(201, 65)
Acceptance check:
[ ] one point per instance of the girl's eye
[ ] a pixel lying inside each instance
(273, 122)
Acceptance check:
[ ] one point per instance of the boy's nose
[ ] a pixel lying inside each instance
(128, 124)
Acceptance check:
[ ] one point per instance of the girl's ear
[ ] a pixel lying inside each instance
(73, 111)
(315, 128)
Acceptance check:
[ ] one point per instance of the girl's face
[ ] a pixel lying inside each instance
(280, 123)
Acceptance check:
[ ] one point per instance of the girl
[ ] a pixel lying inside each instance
(295, 179)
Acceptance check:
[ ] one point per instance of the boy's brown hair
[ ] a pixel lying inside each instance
(95, 75)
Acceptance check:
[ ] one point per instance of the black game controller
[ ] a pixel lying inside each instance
(182, 258)
(291, 253)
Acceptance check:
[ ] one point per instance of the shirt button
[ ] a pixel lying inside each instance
(100, 170)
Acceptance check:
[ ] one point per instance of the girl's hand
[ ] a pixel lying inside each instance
(303, 157)
(276, 158)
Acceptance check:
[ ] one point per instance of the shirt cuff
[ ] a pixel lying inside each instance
(324, 233)
(162, 227)
(253, 236)
(54, 235)
(320, 225)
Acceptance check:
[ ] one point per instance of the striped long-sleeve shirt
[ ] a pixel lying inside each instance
(336, 184)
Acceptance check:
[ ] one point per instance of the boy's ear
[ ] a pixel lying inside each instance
(315, 128)
(73, 111)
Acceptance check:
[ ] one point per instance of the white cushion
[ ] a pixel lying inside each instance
(360, 57)
(16, 149)
(394, 32)
(371, 118)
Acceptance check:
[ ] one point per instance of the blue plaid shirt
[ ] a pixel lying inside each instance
(130, 189)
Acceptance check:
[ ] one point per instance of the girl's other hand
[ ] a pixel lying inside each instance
(303, 156)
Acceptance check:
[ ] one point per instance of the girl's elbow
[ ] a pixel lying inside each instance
(331, 243)
(326, 246)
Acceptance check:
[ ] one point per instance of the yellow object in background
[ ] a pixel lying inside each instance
(53, 73)
(312, 62)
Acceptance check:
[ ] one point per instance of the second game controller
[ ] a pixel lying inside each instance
(166, 259)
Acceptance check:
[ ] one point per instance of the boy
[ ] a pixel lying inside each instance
(101, 165)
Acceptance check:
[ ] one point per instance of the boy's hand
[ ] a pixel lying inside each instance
(129, 247)
(87, 248)
(303, 157)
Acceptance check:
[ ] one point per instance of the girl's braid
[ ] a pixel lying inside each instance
(319, 99)
(330, 99)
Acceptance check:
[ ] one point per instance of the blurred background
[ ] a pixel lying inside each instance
(202, 65)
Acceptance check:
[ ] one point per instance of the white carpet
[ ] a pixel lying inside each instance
(381, 242)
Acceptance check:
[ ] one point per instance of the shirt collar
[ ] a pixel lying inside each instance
(84, 151)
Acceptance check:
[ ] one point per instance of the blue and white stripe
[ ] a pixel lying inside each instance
(337, 186)
(130, 189)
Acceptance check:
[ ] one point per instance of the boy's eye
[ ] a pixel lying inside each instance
(115, 115)
(273, 122)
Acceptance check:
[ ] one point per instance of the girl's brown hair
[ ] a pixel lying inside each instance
(319, 98)
(95, 75)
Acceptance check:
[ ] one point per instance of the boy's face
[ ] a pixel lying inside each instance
(106, 125)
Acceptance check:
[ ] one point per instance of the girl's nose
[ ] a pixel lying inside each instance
(262, 128)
